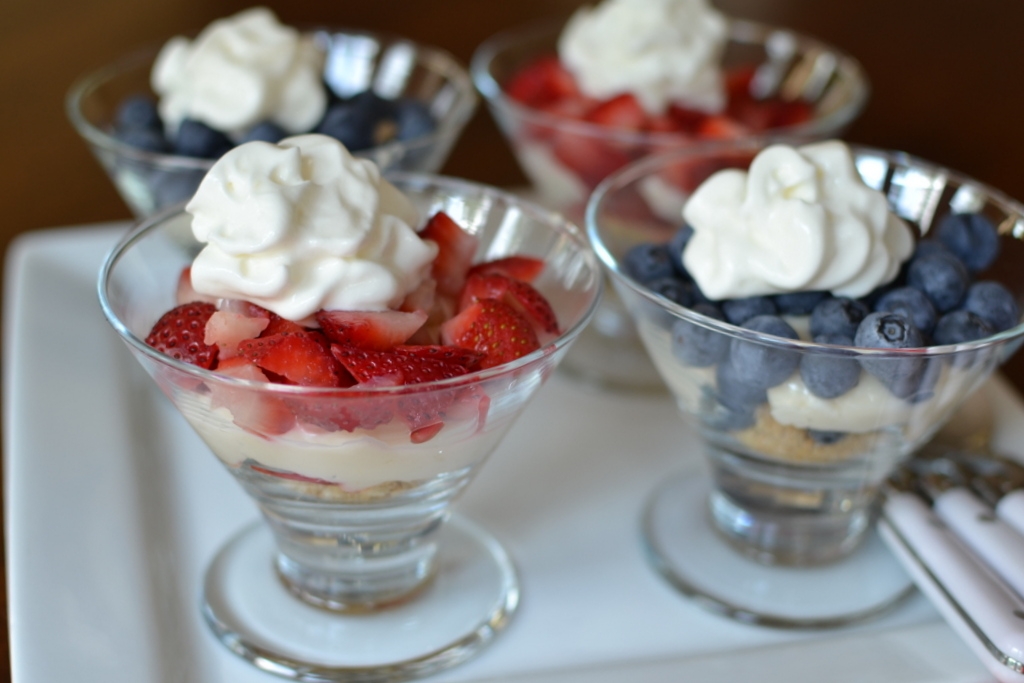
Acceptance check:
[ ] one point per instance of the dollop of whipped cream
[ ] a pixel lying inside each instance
(241, 71)
(303, 225)
(661, 51)
(801, 219)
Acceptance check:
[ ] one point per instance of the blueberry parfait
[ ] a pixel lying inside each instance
(784, 255)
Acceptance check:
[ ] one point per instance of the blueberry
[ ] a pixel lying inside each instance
(838, 315)
(138, 111)
(739, 311)
(413, 119)
(961, 326)
(993, 303)
(825, 437)
(696, 345)
(931, 246)
(673, 289)
(267, 131)
(972, 237)
(798, 303)
(648, 262)
(676, 246)
(362, 122)
(727, 419)
(943, 278)
(912, 304)
(760, 362)
(736, 392)
(830, 374)
(196, 139)
(143, 138)
(880, 330)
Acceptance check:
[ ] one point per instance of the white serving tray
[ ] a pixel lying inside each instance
(114, 508)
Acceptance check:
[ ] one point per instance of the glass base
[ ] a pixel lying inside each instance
(470, 599)
(684, 547)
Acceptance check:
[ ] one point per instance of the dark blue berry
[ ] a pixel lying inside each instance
(138, 111)
(972, 237)
(760, 362)
(696, 345)
(829, 374)
(413, 119)
(957, 327)
(943, 278)
(913, 305)
(727, 419)
(673, 289)
(362, 122)
(144, 138)
(993, 303)
(268, 131)
(736, 392)
(902, 375)
(648, 262)
(930, 246)
(825, 437)
(196, 139)
(676, 245)
(739, 311)
(798, 303)
(838, 315)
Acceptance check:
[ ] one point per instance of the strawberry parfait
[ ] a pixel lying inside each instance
(352, 349)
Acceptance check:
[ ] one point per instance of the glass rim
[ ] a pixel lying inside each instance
(644, 167)
(439, 60)
(421, 181)
(740, 31)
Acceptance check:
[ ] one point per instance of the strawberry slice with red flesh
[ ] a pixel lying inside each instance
(180, 334)
(622, 112)
(256, 411)
(456, 249)
(542, 82)
(377, 330)
(296, 358)
(517, 294)
(524, 268)
(493, 328)
(346, 411)
(227, 329)
(590, 158)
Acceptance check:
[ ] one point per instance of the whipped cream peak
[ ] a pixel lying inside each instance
(240, 71)
(303, 225)
(661, 51)
(800, 219)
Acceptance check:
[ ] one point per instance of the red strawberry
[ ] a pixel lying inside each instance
(297, 358)
(623, 112)
(493, 328)
(255, 411)
(719, 127)
(541, 82)
(421, 298)
(456, 249)
(226, 329)
(346, 410)
(370, 329)
(525, 268)
(279, 325)
(517, 294)
(686, 120)
(590, 158)
(179, 333)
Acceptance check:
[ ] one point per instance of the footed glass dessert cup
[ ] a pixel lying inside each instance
(356, 61)
(357, 572)
(780, 530)
(565, 158)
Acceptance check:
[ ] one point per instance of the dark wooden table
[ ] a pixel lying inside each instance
(947, 85)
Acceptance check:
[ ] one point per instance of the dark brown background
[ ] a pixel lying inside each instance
(947, 77)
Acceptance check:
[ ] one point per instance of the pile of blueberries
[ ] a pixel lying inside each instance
(934, 301)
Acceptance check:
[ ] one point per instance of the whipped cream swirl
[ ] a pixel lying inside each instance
(240, 71)
(800, 219)
(303, 225)
(661, 51)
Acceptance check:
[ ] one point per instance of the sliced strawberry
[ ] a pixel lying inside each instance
(541, 82)
(456, 249)
(180, 331)
(444, 307)
(517, 294)
(376, 330)
(719, 127)
(493, 328)
(279, 325)
(345, 411)
(421, 298)
(623, 112)
(226, 329)
(186, 293)
(424, 434)
(297, 358)
(737, 82)
(255, 411)
(686, 120)
(590, 158)
(525, 268)
(404, 365)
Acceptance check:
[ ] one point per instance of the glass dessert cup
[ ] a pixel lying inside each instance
(357, 573)
(356, 61)
(788, 65)
(780, 532)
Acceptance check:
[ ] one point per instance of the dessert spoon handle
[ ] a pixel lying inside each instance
(1010, 509)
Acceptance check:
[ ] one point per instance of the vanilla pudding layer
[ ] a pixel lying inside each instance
(353, 461)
